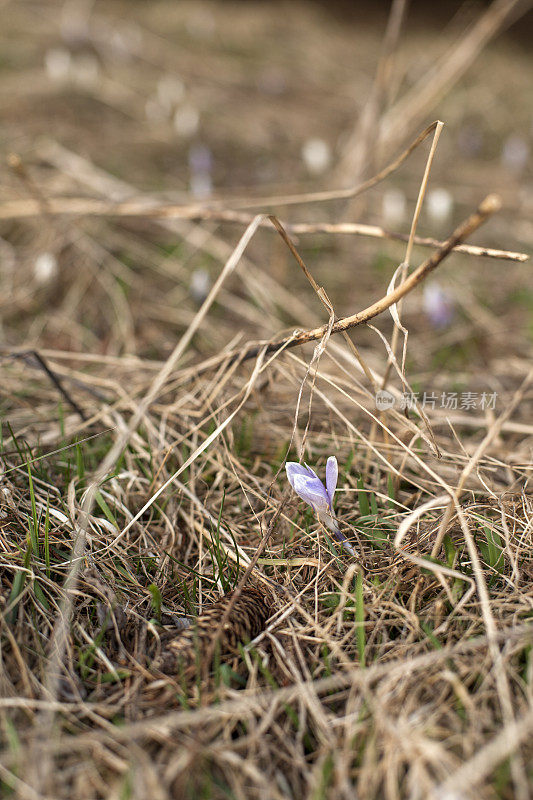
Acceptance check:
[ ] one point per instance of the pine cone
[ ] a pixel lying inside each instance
(247, 619)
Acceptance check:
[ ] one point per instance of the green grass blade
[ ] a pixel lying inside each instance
(364, 507)
(360, 636)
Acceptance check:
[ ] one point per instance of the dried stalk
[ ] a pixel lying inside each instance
(487, 208)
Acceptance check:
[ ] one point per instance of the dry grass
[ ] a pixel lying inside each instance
(145, 424)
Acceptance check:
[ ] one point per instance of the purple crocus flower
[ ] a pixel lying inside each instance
(310, 488)
(438, 305)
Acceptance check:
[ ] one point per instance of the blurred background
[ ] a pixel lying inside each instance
(237, 108)
(240, 101)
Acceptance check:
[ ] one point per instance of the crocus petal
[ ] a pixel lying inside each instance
(311, 471)
(332, 474)
(311, 490)
(292, 469)
(297, 468)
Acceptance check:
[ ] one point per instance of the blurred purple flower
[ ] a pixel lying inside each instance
(200, 166)
(515, 153)
(438, 305)
(200, 158)
(310, 488)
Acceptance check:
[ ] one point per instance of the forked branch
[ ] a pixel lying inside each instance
(486, 208)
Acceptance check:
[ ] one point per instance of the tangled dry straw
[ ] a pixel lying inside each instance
(174, 624)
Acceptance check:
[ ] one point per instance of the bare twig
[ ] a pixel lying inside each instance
(487, 207)
(74, 206)
(55, 379)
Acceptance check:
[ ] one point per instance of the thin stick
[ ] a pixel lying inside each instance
(407, 259)
(377, 232)
(295, 199)
(422, 191)
(82, 206)
(54, 378)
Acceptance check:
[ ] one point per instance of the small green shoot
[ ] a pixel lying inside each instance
(360, 635)
(492, 550)
(222, 570)
(328, 767)
(34, 523)
(156, 601)
(47, 538)
(390, 491)
(106, 510)
(449, 550)
(326, 660)
(364, 506)
(428, 630)
(18, 585)
(80, 466)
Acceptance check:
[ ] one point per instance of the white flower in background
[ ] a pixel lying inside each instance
(515, 153)
(316, 154)
(200, 158)
(310, 488)
(438, 305)
(45, 268)
(57, 62)
(170, 91)
(439, 205)
(394, 207)
(200, 284)
(200, 166)
(186, 120)
(445, 794)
